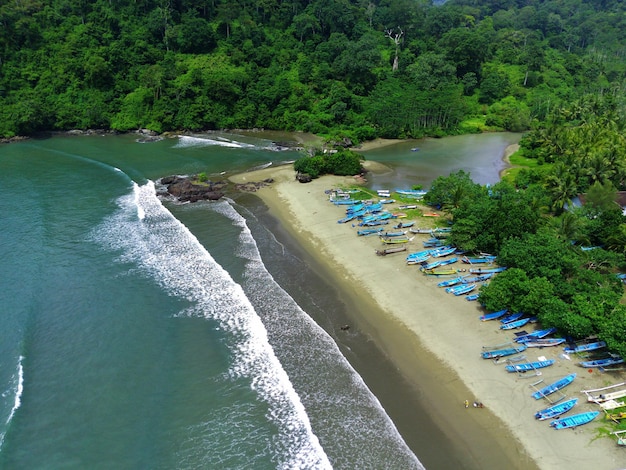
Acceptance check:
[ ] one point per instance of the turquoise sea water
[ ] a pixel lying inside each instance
(140, 333)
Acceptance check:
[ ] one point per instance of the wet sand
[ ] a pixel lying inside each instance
(435, 339)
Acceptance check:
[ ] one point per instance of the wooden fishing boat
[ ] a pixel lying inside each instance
(554, 387)
(482, 278)
(611, 392)
(528, 366)
(407, 206)
(373, 223)
(448, 261)
(487, 270)
(464, 289)
(387, 201)
(443, 251)
(430, 214)
(493, 315)
(440, 272)
(617, 417)
(478, 259)
(393, 234)
(522, 338)
(404, 225)
(395, 240)
(369, 231)
(472, 297)
(585, 347)
(502, 352)
(411, 192)
(388, 251)
(514, 324)
(417, 260)
(609, 361)
(575, 420)
(544, 342)
(346, 219)
(556, 410)
(512, 317)
(450, 282)
(423, 231)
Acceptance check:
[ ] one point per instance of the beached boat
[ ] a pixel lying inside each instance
(374, 223)
(369, 231)
(411, 192)
(430, 214)
(422, 231)
(387, 201)
(514, 324)
(554, 387)
(487, 270)
(482, 278)
(431, 265)
(407, 206)
(611, 392)
(388, 251)
(606, 362)
(445, 262)
(393, 234)
(450, 282)
(465, 289)
(478, 259)
(346, 219)
(395, 240)
(512, 317)
(460, 288)
(345, 202)
(443, 251)
(528, 366)
(537, 334)
(493, 315)
(617, 417)
(404, 225)
(556, 410)
(544, 342)
(575, 420)
(585, 347)
(440, 272)
(503, 352)
(472, 297)
(417, 260)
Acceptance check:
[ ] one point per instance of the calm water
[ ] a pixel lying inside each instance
(139, 333)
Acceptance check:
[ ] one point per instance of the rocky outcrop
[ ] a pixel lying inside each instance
(190, 189)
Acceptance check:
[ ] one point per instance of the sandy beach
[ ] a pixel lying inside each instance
(413, 315)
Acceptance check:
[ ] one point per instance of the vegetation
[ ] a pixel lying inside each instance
(339, 68)
(562, 258)
(342, 162)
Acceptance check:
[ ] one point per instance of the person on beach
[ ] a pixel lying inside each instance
(466, 403)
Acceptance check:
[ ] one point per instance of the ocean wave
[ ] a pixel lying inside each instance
(148, 235)
(189, 141)
(352, 425)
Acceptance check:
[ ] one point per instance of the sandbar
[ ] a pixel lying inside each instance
(418, 314)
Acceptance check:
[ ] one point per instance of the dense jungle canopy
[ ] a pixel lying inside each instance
(342, 68)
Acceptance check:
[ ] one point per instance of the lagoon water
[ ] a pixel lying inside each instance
(140, 333)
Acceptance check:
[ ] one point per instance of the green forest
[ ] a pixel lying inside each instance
(356, 69)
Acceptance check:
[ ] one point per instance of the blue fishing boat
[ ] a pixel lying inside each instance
(556, 410)
(544, 342)
(478, 259)
(554, 387)
(585, 347)
(369, 231)
(482, 278)
(348, 218)
(430, 265)
(537, 334)
(609, 361)
(443, 251)
(487, 270)
(451, 282)
(512, 317)
(502, 352)
(417, 260)
(515, 324)
(374, 223)
(493, 315)
(472, 297)
(449, 261)
(404, 225)
(465, 289)
(393, 234)
(575, 420)
(528, 366)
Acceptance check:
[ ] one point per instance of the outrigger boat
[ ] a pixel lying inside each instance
(621, 437)
(369, 231)
(528, 366)
(544, 342)
(609, 361)
(451, 282)
(404, 225)
(395, 240)
(523, 338)
(575, 420)
(617, 417)
(388, 251)
(495, 353)
(487, 270)
(472, 297)
(556, 410)
(612, 392)
(515, 324)
(465, 289)
(512, 317)
(585, 347)
(554, 387)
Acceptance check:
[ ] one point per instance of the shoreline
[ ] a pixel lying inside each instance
(425, 317)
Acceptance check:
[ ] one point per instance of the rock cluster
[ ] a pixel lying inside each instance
(189, 189)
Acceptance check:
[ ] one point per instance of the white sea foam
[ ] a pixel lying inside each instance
(18, 380)
(189, 141)
(355, 429)
(168, 251)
